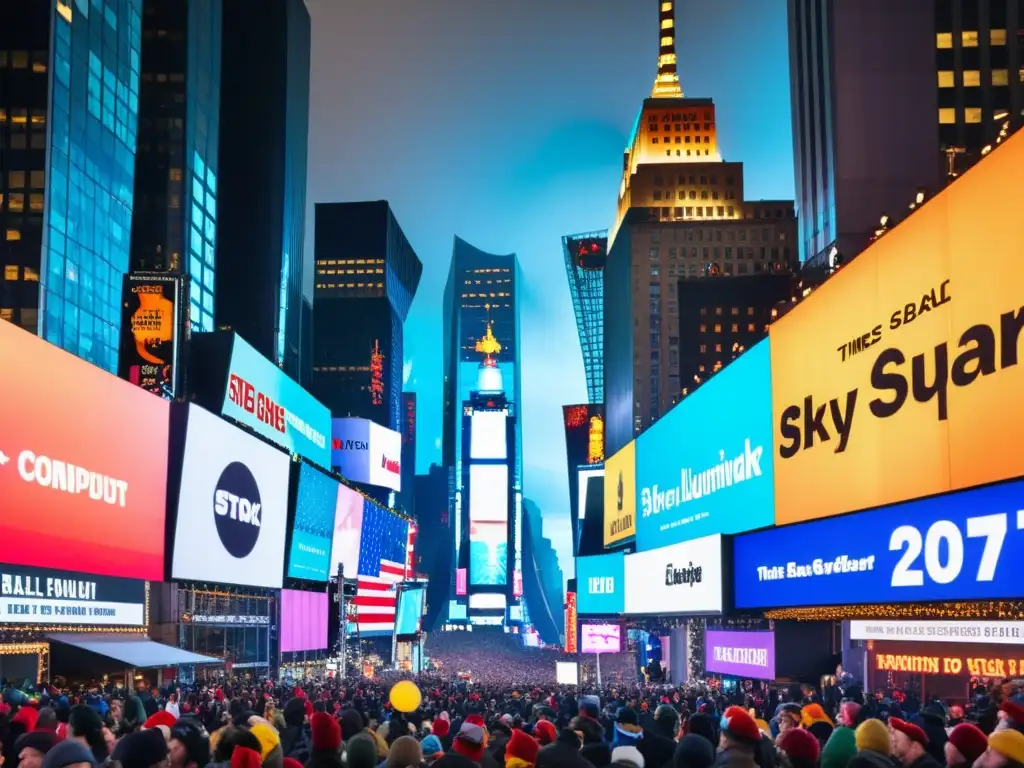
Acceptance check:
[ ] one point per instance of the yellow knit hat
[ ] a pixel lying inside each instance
(1008, 743)
(268, 738)
(873, 735)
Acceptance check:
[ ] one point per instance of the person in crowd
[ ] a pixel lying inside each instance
(874, 746)
(361, 752)
(296, 739)
(470, 742)
(70, 754)
(800, 748)
(405, 752)
(966, 743)
(189, 744)
(739, 739)
(172, 706)
(841, 746)
(544, 732)
(432, 749)
(326, 741)
(33, 746)
(86, 727)
(932, 720)
(814, 719)
(563, 752)
(627, 729)
(627, 756)
(657, 744)
(910, 744)
(787, 716)
(1005, 750)
(1011, 715)
(693, 751)
(521, 750)
(143, 749)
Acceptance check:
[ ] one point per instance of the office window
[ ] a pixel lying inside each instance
(11, 272)
(946, 78)
(944, 40)
(1000, 77)
(972, 77)
(969, 39)
(947, 116)
(972, 115)
(997, 36)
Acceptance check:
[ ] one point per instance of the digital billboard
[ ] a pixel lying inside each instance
(348, 531)
(899, 378)
(303, 621)
(571, 621)
(488, 524)
(583, 477)
(260, 396)
(679, 578)
(232, 506)
(600, 581)
(706, 466)
(488, 435)
(584, 433)
(742, 654)
(315, 502)
(411, 604)
(620, 495)
(958, 546)
(45, 596)
(365, 452)
(150, 321)
(601, 638)
(83, 454)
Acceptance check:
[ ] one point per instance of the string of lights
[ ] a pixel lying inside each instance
(992, 609)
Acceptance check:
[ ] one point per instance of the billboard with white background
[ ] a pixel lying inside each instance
(365, 452)
(994, 632)
(683, 578)
(488, 436)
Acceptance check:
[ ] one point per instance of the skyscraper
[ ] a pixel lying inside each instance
(585, 257)
(261, 205)
(366, 277)
(682, 214)
(482, 288)
(69, 93)
(175, 227)
(864, 106)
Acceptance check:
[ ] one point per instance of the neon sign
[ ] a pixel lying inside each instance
(377, 374)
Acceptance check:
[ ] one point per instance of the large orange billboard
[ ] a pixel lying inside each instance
(900, 377)
(83, 464)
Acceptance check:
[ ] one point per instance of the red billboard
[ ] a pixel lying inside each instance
(83, 464)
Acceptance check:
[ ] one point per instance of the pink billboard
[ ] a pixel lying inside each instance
(601, 638)
(303, 621)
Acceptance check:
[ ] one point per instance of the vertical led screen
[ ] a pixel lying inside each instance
(488, 438)
(348, 531)
(488, 524)
(303, 621)
(309, 556)
(411, 602)
(150, 320)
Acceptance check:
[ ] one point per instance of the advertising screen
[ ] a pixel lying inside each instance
(571, 622)
(898, 378)
(679, 578)
(82, 454)
(488, 524)
(566, 673)
(232, 506)
(488, 435)
(487, 601)
(583, 477)
(348, 531)
(601, 638)
(584, 433)
(988, 632)
(313, 529)
(411, 603)
(959, 546)
(365, 452)
(706, 466)
(267, 401)
(600, 580)
(742, 654)
(303, 621)
(620, 495)
(47, 596)
(150, 308)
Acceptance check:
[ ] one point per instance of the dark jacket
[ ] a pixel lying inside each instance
(656, 749)
(735, 758)
(867, 758)
(563, 752)
(297, 742)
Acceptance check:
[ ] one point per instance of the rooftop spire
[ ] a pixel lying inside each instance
(666, 84)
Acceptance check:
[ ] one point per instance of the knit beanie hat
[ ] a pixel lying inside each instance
(1007, 742)
(40, 741)
(404, 752)
(694, 751)
(628, 755)
(545, 732)
(874, 736)
(469, 742)
(522, 746)
(140, 749)
(431, 746)
(71, 751)
(801, 747)
(840, 748)
(969, 740)
(325, 730)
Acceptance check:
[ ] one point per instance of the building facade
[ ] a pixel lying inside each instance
(682, 214)
(585, 257)
(176, 176)
(851, 167)
(262, 154)
(366, 275)
(408, 431)
(69, 97)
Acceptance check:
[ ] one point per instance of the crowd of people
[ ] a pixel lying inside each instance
(498, 720)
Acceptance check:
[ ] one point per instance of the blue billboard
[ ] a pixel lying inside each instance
(410, 610)
(313, 528)
(706, 466)
(600, 584)
(958, 546)
(260, 396)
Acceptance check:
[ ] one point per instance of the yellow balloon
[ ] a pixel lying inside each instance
(405, 696)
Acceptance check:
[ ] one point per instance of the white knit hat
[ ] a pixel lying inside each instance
(629, 755)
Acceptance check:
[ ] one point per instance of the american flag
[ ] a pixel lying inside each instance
(382, 562)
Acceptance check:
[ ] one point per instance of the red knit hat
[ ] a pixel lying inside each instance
(1014, 711)
(163, 717)
(476, 719)
(522, 746)
(469, 742)
(916, 733)
(738, 724)
(27, 716)
(291, 762)
(441, 728)
(969, 740)
(545, 732)
(243, 757)
(326, 731)
(801, 746)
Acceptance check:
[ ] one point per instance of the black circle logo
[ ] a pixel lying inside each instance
(237, 509)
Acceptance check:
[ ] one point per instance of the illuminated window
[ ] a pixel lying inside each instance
(969, 39)
(997, 36)
(718, 328)
(946, 78)
(11, 272)
(666, 6)
(16, 202)
(37, 179)
(16, 179)
(35, 202)
(6, 313)
(944, 40)
(1000, 77)
(667, 24)
(947, 115)
(972, 115)
(972, 77)
(666, 41)
(19, 59)
(31, 275)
